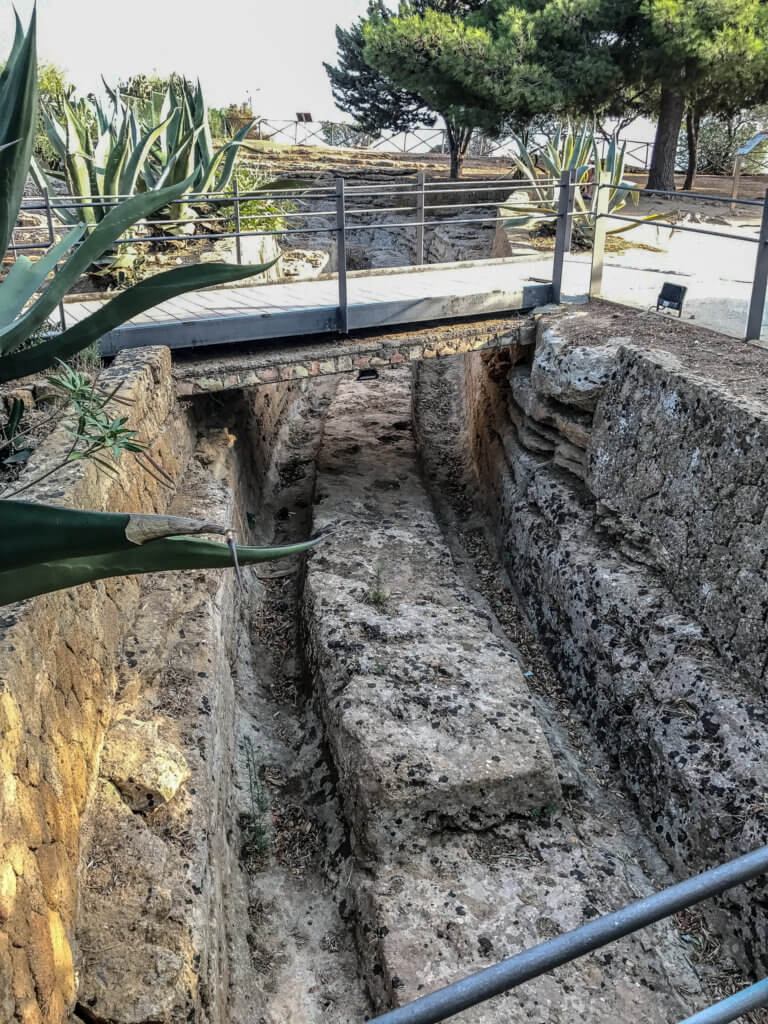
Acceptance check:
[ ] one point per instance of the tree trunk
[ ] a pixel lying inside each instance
(458, 144)
(671, 109)
(692, 125)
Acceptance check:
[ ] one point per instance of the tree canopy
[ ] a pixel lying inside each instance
(401, 71)
(373, 99)
(484, 63)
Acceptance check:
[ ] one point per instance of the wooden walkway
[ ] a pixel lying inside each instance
(375, 300)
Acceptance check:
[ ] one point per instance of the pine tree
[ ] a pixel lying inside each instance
(359, 89)
(387, 76)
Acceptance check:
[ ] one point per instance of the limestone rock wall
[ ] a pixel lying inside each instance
(58, 672)
(681, 464)
(629, 495)
(116, 736)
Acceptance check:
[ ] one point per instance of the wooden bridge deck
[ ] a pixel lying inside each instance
(408, 296)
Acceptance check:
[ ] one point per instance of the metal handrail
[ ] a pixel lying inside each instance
(680, 195)
(759, 278)
(415, 217)
(483, 985)
(677, 227)
(303, 132)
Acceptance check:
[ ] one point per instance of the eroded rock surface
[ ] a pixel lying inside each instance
(622, 541)
(429, 717)
(471, 902)
(145, 768)
(395, 639)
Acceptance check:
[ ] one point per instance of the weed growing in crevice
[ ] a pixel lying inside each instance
(545, 815)
(255, 825)
(378, 596)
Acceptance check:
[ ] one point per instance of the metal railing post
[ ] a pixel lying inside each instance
(601, 232)
(564, 229)
(759, 281)
(52, 236)
(420, 179)
(238, 242)
(341, 254)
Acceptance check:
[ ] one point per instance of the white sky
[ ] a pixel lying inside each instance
(270, 49)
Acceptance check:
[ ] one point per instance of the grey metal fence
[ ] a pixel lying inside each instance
(417, 140)
(421, 204)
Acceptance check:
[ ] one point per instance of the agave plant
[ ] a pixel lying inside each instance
(186, 146)
(44, 548)
(569, 150)
(138, 146)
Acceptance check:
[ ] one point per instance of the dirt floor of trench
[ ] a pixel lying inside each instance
(315, 945)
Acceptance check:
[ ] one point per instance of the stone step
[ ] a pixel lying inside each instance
(429, 718)
(469, 902)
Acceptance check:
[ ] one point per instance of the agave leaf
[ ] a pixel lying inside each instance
(77, 130)
(18, 111)
(524, 157)
(57, 135)
(133, 127)
(226, 155)
(160, 556)
(100, 157)
(204, 141)
(181, 160)
(138, 158)
(14, 419)
(610, 159)
(43, 181)
(173, 132)
(79, 162)
(31, 532)
(60, 548)
(102, 121)
(112, 93)
(115, 162)
(18, 41)
(127, 304)
(105, 234)
(25, 277)
(156, 106)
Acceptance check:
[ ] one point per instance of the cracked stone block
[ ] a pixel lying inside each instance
(145, 768)
(460, 907)
(573, 374)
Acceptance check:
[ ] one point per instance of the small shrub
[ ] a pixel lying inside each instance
(378, 596)
(255, 825)
(257, 214)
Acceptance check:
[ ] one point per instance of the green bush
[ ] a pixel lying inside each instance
(257, 214)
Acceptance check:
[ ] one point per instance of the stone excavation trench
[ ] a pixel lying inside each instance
(483, 711)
